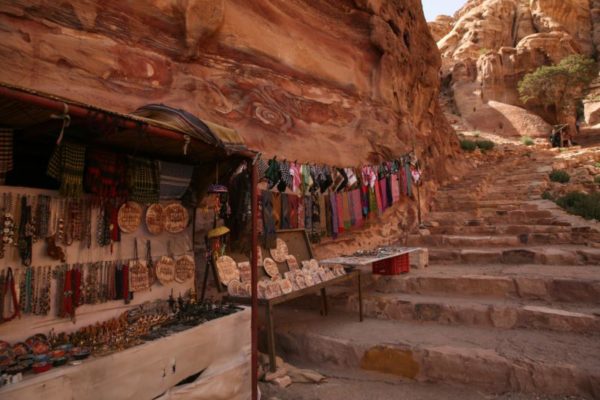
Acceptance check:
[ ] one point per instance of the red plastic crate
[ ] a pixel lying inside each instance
(392, 266)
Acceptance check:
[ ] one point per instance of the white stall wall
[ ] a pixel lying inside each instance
(27, 325)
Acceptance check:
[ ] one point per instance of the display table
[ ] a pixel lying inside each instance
(363, 260)
(268, 305)
(215, 348)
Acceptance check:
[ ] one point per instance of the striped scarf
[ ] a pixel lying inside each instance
(66, 165)
(174, 179)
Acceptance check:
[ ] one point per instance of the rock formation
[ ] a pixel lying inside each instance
(326, 81)
(494, 43)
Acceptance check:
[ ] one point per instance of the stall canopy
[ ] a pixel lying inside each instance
(151, 130)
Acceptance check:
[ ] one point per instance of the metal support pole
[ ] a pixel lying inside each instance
(254, 279)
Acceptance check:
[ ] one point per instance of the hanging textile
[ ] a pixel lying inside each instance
(307, 180)
(334, 216)
(293, 202)
(285, 212)
(286, 177)
(143, 180)
(315, 231)
(174, 179)
(66, 166)
(357, 207)
(277, 209)
(105, 174)
(307, 213)
(270, 233)
(6, 153)
(296, 177)
(346, 211)
(388, 193)
(339, 208)
(273, 174)
(301, 213)
(407, 175)
(383, 194)
(379, 205)
(322, 215)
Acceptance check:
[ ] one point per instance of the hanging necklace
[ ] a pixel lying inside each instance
(8, 225)
(26, 231)
(9, 287)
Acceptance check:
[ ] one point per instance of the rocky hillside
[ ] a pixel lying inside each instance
(489, 45)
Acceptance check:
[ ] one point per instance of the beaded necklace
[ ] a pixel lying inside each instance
(9, 286)
(8, 223)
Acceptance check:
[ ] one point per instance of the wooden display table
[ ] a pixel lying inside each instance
(360, 261)
(298, 245)
(214, 348)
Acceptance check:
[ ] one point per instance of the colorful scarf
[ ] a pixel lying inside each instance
(334, 215)
(270, 230)
(285, 212)
(293, 202)
(357, 207)
(105, 175)
(143, 180)
(347, 219)
(277, 209)
(308, 213)
(383, 194)
(296, 177)
(395, 188)
(66, 165)
(323, 215)
(339, 209)
(6, 153)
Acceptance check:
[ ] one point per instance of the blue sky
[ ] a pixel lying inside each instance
(433, 8)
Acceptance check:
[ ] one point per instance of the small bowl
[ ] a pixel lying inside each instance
(39, 358)
(80, 353)
(40, 367)
(57, 362)
(20, 349)
(57, 354)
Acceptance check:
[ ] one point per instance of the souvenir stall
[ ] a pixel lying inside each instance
(98, 282)
(303, 204)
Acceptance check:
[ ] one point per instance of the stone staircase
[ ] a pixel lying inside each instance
(511, 302)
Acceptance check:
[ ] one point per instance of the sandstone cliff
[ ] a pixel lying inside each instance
(335, 81)
(494, 43)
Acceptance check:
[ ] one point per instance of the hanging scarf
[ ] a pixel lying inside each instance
(273, 174)
(293, 202)
(143, 180)
(383, 194)
(346, 211)
(307, 213)
(315, 231)
(334, 217)
(66, 165)
(268, 219)
(6, 153)
(307, 180)
(174, 179)
(357, 205)
(285, 212)
(286, 175)
(351, 207)
(261, 166)
(322, 215)
(327, 207)
(296, 177)
(106, 174)
(379, 208)
(277, 209)
(388, 190)
(301, 213)
(339, 208)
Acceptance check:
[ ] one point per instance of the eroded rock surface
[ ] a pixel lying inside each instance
(494, 43)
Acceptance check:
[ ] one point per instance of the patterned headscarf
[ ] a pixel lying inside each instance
(143, 180)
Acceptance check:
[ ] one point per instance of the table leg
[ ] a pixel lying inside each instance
(271, 338)
(324, 307)
(360, 303)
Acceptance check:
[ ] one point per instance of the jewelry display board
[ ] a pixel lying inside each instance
(19, 329)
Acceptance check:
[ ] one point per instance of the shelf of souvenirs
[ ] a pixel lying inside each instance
(144, 323)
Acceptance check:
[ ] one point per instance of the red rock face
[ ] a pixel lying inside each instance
(331, 81)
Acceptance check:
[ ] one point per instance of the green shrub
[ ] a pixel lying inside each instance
(547, 195)
(485, 145)
(582, 204)
(597, 165)
(597, 179)
(468, 145)
(560, 176)
(527, 141)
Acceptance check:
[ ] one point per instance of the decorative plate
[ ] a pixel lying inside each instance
(292, 262)
(176, 218)
(338, 270)
(280, 252)
(165, 270)
(185, 267)
(245, 271)
(234, 288)
(129, 217)
(155, 222)
(262, 288)
(300, 280)
(308, 279)
(259, 256)
(227, 270)
(271, 267)
(285, 285)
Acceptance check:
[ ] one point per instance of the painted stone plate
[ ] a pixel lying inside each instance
(227, 270)
(270, 267)
(129, 217)
(155, 222)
